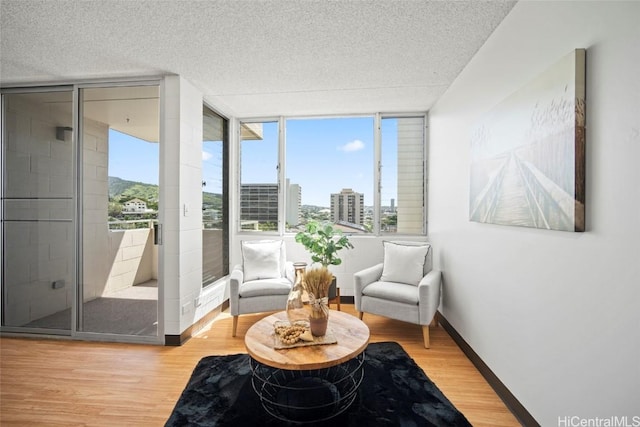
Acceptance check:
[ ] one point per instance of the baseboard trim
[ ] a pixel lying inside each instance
(178, 340)
(346, 300)
(173, 340)
(516, 408)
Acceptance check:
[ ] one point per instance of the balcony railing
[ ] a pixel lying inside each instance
(131, 224)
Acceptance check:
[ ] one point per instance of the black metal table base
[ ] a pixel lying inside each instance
(308, 396)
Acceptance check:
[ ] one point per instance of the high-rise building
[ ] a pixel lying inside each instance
(294, 204)
(347, 206)
(259, 203)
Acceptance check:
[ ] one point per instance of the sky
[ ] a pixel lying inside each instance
(133, 159)
(323, 156)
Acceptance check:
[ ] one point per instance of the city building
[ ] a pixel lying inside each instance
(293, 204)
(348, 206)
(259, 203)
(135, 206)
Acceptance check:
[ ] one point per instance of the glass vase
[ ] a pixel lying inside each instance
(296, 311)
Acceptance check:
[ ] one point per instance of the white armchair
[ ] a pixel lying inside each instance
(403, 287)
(262, 282)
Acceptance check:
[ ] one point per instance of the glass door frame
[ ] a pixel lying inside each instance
(78, 116)
(77, 158)
(3, 137)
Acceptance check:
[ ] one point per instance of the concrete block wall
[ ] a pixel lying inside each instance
(181, 192)
(131, 252)
(95, 192)
(38, 251)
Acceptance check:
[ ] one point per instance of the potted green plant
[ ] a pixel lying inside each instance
(323, 241)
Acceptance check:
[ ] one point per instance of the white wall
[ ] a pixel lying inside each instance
(554, 314)
(181, 201)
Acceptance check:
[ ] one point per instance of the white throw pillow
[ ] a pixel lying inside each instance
(404, 263)
(261, 259)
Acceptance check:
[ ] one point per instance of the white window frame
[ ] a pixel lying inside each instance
(282, 165)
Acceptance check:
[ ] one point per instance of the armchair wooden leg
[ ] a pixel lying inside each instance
(360, 314)
(425, 336)
(335, 299)
(434, 321)
(235, 326)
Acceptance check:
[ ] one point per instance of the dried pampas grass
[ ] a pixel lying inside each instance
(317, 282)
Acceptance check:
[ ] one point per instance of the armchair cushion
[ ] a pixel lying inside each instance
(400, 292)
(404, 263)
(261, 259)
(256, 288)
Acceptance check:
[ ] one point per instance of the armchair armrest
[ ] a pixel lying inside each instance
(363, 278)
(235, 280)
(429, 295)
(290, 271)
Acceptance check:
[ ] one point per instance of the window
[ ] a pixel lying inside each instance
(329, 170)
(333, 171)
(215, 197)
(259, 195)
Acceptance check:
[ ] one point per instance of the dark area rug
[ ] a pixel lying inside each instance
(394, 392)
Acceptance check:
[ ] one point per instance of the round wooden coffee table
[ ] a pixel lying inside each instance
(310, 383)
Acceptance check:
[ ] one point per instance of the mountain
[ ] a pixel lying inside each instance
(123, 190)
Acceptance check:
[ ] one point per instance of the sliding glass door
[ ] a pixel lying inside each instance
(38, 215)
(118, 291)
(80, 169)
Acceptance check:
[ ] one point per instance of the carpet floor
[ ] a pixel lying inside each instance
(393, 392)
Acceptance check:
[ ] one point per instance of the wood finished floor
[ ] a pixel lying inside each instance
(74, 383)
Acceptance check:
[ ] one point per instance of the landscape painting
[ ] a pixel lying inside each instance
(528, 153)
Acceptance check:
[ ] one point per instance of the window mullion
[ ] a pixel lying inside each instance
(377, 166)
(281, 175)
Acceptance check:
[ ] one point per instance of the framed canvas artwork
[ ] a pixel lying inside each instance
(528, 153)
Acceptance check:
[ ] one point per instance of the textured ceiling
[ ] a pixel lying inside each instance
(255, 58)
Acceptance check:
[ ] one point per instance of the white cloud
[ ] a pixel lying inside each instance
(354, 145)
(206, 156)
